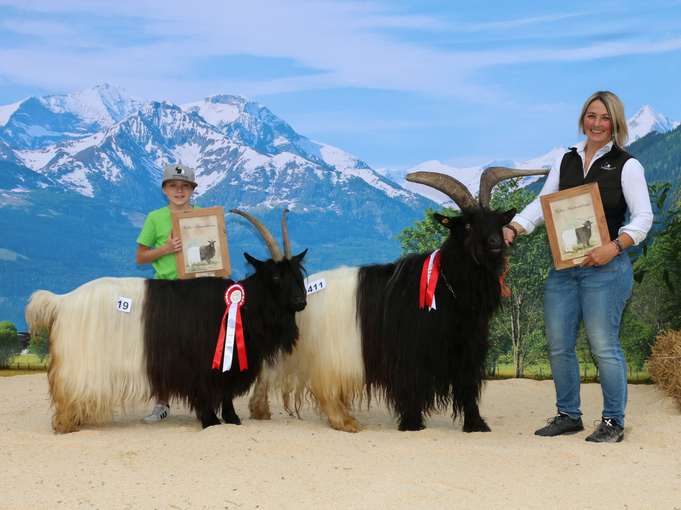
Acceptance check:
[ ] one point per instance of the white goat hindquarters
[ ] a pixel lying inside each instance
(327, 360)
(97, 359)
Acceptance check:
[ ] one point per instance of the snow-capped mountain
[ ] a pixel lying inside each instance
(38, 122)
(647, 120)
(243, 154)
(7, 110)
(253, 125)
(470, 176)
(79, 172)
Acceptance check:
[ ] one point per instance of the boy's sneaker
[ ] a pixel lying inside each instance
(160, 413)
(561, 424)
(607, 432)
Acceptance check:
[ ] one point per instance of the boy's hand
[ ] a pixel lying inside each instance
(173, 245)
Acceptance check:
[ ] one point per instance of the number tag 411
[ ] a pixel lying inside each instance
(124, 304)
(312, 286)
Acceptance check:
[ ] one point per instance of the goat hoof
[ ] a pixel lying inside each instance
(209, 421)
(345, 425)
(351, 424)
(480, 426)
(61, 427)
(233, 420)
(259, 414)
(411, 426)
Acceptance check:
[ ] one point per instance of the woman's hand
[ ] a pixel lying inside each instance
(509, 235)
(600, 256)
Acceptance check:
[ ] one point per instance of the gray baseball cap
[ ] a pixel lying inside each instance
(178, 172)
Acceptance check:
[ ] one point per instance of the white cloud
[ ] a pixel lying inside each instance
(346, 42)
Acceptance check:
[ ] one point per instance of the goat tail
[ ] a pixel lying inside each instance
(42, 310)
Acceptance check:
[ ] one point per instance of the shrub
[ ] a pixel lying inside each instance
(39, 344)
(10, 345)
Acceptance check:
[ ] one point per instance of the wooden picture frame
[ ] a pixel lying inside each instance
(575, 223)
(204, 242)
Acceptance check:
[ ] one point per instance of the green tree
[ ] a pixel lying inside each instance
(661, 258)
(10, 345)
(521, 317)
(637, 339)
(39, 344)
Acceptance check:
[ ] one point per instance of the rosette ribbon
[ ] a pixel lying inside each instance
(429, 276)
(231, 331)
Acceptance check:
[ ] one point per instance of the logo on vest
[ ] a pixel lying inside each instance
(607, 166)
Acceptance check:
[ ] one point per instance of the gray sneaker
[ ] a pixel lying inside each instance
(607, 432)
(561, 424)
(160, 413)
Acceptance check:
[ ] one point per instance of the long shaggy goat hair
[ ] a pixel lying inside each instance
(102, 358)
(366, 334)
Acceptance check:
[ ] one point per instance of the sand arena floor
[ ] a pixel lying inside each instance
(292, 463)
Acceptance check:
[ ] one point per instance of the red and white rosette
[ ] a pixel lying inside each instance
(232, 332)
(429, 276)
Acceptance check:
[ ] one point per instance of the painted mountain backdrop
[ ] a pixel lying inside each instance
(79, 172)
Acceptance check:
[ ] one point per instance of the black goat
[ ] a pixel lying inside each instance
(367, 332)
(164, 340)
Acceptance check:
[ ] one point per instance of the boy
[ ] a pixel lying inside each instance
(157, 246)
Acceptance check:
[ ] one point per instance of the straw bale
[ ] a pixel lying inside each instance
(664, 363)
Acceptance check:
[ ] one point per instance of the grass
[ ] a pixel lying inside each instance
(27, 362)
(30, 363)
(588, 372)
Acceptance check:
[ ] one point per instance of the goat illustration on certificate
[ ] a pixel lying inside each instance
(204, 242)
(575, 223)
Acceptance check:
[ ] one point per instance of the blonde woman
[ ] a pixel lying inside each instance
(596, 292)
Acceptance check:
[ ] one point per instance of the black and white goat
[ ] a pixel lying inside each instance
(116, 341)
(366, 334)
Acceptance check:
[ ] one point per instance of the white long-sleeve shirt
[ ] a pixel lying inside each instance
(634, 188)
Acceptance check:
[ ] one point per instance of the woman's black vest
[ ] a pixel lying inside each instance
(607, 172)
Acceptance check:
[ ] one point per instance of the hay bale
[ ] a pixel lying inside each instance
(664, 363)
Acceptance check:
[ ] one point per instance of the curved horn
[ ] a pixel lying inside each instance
(284, 234)
(451, 187)
(269, 240)
(494, 174)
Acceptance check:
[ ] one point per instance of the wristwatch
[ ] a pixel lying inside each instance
(617, 242)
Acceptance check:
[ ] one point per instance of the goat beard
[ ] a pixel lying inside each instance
(481, 257)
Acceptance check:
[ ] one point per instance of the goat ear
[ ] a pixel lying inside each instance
(445, 221)
(300, 256)
(507, 216)
(253, 261)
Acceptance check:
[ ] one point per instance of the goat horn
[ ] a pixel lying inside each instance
(284, 235)
(451, 187)
(269, 240)
(494, 174)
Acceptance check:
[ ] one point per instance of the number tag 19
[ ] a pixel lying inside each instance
(124, 304)
(312, 286)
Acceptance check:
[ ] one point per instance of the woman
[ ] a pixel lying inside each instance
(596, 291)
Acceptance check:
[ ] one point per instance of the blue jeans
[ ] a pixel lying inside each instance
(596, 295)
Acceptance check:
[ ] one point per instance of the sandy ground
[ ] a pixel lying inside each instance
(292, 463)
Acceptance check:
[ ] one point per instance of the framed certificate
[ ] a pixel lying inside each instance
(204, 242)
(575, 224)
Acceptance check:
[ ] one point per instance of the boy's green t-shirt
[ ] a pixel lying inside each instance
(155, 233)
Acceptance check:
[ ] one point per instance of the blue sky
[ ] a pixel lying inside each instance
(393, 82)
